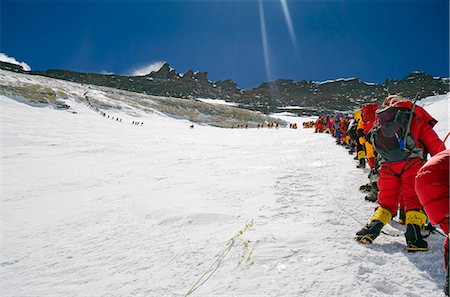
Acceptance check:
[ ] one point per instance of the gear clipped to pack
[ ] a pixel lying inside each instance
(391, 136)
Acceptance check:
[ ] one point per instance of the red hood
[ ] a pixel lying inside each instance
(418, 111)
(368, 112)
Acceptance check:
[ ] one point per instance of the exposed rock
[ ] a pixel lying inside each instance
(11, 67)
(165, 72)
(313, 97)
(201, 77)
(188, 75)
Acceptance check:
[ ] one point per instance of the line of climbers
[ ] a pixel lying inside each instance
(270, 125)
(241, 126)
(394, 140)
(309, 124)
(103, 114)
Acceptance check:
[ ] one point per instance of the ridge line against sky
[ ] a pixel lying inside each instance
(250, 42)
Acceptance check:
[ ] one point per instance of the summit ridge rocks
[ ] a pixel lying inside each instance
(301, 97)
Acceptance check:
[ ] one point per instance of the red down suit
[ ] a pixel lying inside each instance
(397, 179)
(432, 187)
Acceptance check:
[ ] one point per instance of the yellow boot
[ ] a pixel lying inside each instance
(367, 235)
(415, 220)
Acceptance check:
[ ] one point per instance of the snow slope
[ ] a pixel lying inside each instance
(42, 91)
(439, 107)
(94, 207)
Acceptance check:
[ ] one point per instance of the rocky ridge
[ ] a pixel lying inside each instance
(301, 97)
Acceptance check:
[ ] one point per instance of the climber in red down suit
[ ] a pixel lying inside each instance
(432, 186)
(401, 156)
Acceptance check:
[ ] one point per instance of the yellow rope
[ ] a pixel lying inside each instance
(246, 257)
(327, 185)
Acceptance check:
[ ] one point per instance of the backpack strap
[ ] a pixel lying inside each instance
(402, 143)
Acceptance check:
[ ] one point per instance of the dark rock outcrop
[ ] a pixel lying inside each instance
(312, 97)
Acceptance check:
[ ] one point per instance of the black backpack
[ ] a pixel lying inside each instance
(388, 135)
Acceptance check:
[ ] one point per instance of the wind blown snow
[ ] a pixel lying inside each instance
(144, 70)
(94, 207)
(11, 60)
(217, 101)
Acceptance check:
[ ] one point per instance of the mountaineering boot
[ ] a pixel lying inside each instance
(361, 156)
(367, 235)
(415, 220)
(414, 239)
(365, 188)
(371, 231)
(372, 197)
(362, 163)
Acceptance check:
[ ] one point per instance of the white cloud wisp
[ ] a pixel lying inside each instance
(147, 69)
(7, 59)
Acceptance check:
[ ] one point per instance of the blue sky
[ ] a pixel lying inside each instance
(248, 41)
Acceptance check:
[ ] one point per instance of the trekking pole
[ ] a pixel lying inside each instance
(439, 232)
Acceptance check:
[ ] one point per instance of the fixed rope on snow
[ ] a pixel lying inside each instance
(246, 258)
(432, 230)
(350, 214)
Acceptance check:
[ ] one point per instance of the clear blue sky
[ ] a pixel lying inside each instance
(310, 40)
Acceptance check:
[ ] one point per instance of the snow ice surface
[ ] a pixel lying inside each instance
(94, 207)
(217, 101)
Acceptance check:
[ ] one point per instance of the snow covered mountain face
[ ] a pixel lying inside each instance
(42, 91)
(309, 98)
(97, 207)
